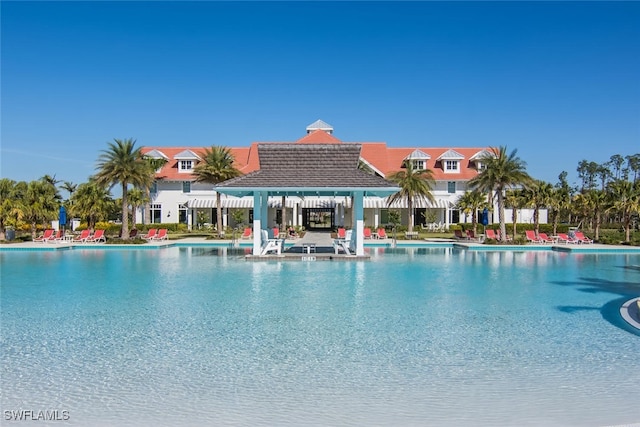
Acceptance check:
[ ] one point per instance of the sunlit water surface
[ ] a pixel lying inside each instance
(416, 337)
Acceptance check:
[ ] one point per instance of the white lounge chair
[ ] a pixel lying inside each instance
(269, 245)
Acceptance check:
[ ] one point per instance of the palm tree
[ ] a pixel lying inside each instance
(40, 204)
(596, 201)
(539, 196)
(471, 202)
(216, 166)
(8, 204)
(516, 200)
(625, 199)
(91, 201)
(136, 197)
(415, 185)
(502, 171)
(70, 187)
(124, 164)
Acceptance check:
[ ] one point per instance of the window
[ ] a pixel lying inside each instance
(451, 165)
(156, 211)
(451, 187)
(418, 164)
(182, 214)
(186, 165)
(154, 188)
(186, 187)
(481, 166)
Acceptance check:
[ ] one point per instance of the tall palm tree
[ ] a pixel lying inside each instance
(502, 171)
(91, 201)
(625, 199)
(124, 164)
(216, 166)
(471, 202)
(415, 185)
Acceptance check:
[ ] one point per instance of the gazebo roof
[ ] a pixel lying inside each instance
(308, 169)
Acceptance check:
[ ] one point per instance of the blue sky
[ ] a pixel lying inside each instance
(559, 82)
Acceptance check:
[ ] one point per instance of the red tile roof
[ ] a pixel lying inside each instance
(384, 159)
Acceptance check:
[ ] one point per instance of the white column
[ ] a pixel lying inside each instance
(294, 215)
(358, 209)
(257, 222)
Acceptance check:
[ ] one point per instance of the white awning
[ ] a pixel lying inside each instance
(238, 202)
(315, 202)
(201, 203)
(402, 204)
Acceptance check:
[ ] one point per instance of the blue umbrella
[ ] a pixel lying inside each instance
(62, 216)
(485, 217)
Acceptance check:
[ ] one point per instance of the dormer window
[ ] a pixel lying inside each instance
(480, 159)
(187, 159)
(451, 161)
(418, 160)
(451, 165)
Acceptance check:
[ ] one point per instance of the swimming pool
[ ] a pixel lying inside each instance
(182, 337)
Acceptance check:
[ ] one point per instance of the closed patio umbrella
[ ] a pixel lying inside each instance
(484, 219)
(62, 217)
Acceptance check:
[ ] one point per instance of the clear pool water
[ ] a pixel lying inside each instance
(413, 337)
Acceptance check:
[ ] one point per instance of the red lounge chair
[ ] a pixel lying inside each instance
(97, 237)
(46, 236)
(367, 233)
(491, 234)
(459, 235)
(82, 238)
(471, 235)
(382, 234)
(150, 234)
(342, 233)
(545, 238)
(531, 237)
(580, 237)
(59, 237)
(162, 234)
(246, 234)
(564, 238)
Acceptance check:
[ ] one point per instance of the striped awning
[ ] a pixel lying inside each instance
(381, 203)
(201, 203)
(226, 202)
(315, 202)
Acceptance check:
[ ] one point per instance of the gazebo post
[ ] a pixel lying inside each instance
(358, 208)
(257, 222)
